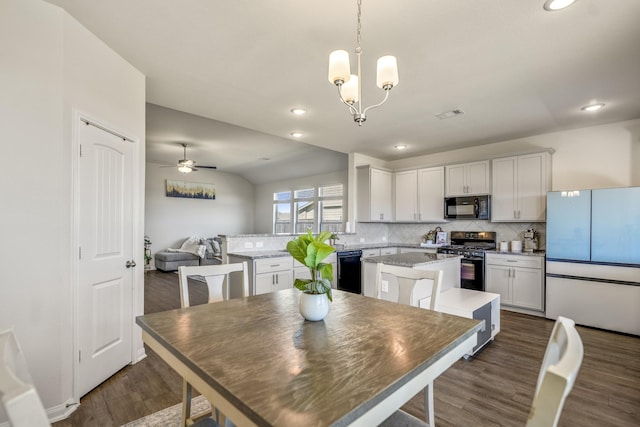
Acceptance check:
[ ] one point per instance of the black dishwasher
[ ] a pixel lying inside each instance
(349, 269)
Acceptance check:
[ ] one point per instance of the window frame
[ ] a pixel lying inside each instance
(316, 201)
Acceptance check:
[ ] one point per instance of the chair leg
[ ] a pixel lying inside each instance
(428, 405)
(186, 403)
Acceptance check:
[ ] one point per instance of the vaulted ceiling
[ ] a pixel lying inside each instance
(514, 69)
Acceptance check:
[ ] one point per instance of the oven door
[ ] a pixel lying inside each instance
(472, 273)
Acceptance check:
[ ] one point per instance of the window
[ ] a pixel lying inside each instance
(313, 208)
(282, 212)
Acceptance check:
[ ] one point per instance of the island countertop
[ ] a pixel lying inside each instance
(411, 259)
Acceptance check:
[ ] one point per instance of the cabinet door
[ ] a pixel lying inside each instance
(380, 195)
(406, 186)
(388, 251)
(430, 194)
(532, 187)
(264, 283)
(370, 252)
(503, 194)
(527, 288)
(499, 282)
(283, 280)
(477, 179)
(455, 182)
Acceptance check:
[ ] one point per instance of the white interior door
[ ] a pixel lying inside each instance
(105, 308)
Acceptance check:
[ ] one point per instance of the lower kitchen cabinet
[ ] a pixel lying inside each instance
(519, 279)
(265, 275)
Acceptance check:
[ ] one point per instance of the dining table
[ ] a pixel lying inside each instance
(262, 364)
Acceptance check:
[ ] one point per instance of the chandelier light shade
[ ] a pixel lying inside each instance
(387, 72)
(339, 69)
(349, 85)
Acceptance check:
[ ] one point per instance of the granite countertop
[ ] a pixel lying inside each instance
(411, 259)
(539, 253)
(261, 254)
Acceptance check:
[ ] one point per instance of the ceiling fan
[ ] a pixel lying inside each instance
(187, 165)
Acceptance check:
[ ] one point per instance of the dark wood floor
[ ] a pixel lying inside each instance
(493, 389)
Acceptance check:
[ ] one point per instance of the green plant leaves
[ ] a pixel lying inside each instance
(311, 251)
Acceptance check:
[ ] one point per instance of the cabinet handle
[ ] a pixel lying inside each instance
(514, 273)
(518, 214)
(276, 279)
(512, 260)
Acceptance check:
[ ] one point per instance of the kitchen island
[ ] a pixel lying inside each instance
(449, 264)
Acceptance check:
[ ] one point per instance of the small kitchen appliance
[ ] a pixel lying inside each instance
(530, 240)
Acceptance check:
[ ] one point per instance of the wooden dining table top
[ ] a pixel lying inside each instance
(278, 369)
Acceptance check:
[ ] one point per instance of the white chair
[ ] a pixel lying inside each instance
(560, 366)
(19, 398)
(217, 278)
(407, 279)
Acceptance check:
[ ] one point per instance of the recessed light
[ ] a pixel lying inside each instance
(296, 134)
(592, 107)
(299, 111)
(553, 5)
(400, 146)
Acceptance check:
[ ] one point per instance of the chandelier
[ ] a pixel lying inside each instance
(349, 88)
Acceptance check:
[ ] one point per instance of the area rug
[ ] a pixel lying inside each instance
(170, 417)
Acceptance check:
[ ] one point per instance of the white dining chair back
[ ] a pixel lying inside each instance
(407, 279)
(19, 397)
(217, 278)
(560, 366)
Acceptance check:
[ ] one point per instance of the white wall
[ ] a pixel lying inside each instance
(264, 195)
(590, 157)
(49, 64)
(170, 220)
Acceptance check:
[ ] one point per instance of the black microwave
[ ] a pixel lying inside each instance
(468, 207)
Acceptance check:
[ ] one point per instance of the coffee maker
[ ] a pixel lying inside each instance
(530, 240)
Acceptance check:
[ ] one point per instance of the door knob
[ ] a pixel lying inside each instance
(130, 264)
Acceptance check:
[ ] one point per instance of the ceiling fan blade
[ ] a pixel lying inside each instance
(207, 167)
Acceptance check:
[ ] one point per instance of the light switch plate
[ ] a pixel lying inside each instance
(384, 285)
(248, 245)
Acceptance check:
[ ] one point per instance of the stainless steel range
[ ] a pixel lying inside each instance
(471, 245)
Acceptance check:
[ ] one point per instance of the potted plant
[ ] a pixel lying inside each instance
(147, 253)
(310, 251)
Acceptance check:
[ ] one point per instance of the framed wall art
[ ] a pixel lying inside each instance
(190, 190)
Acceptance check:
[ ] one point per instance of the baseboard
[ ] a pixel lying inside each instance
(141, 354)
(61, 412)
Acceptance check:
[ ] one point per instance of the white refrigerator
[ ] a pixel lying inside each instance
(593, 257)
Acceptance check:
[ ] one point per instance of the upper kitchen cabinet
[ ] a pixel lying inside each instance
(431, 194)
(406, 186)
(467, 179)
(519, 188)
(374, 198)
(419, 195)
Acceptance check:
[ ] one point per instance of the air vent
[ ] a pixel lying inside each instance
(451, 113)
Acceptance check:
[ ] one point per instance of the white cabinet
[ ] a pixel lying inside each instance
(406, 195)
(519, 187)
(519, 279)
(374, 194)
(388, 251)
(419, 195)
(265, 275)
(467, 179)
(431, 194)
(272, 274)
(366, 253)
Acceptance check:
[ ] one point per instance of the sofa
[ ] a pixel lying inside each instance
(193, 251)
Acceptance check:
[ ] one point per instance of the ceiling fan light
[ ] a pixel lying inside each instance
(184, 169)
(553, 5)
(339, 68)
(387, 76)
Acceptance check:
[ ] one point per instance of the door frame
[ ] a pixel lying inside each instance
(137, 288)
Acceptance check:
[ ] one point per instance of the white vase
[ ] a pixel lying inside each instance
(314, 307)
